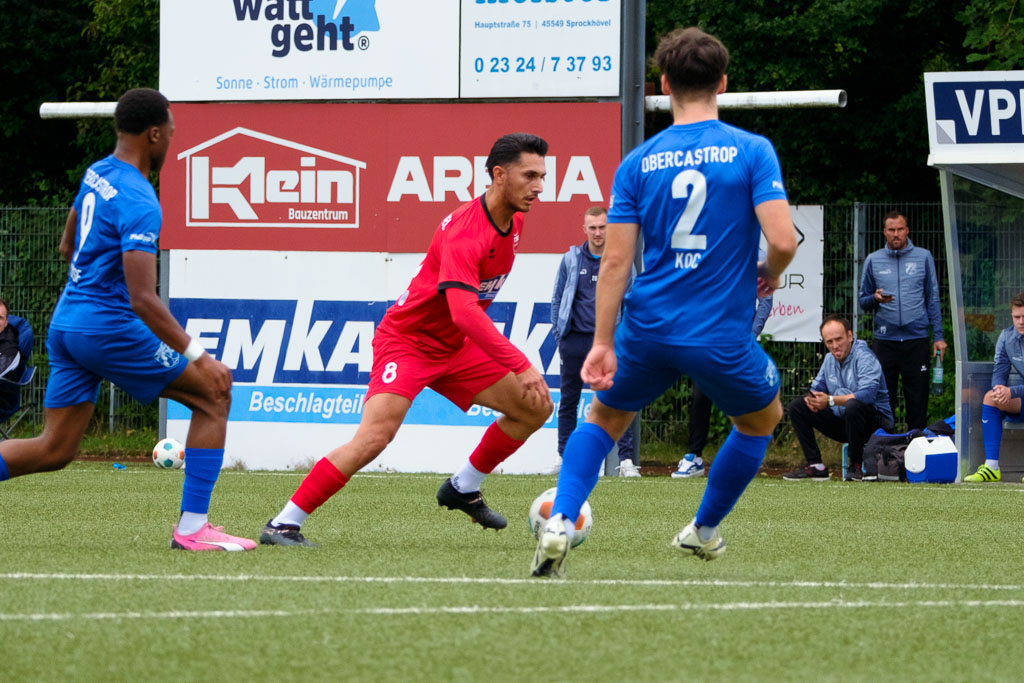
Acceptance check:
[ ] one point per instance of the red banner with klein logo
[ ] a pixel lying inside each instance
(370, 177)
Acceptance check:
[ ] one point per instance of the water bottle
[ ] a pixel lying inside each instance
(937, 377)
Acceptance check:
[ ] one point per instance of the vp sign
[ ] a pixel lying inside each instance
(976, 108)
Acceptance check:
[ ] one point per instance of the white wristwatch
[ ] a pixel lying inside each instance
(831, 402)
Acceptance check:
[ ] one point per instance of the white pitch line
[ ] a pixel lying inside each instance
(715, 583)
(477, 609)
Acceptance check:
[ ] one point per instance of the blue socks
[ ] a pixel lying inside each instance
(4, 474)
(735, 465)
(202, 467)
(991, 430)
(585, 451)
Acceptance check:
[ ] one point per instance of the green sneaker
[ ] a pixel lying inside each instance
(984, 474)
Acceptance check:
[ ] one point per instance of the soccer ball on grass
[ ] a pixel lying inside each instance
(540, 511)
(169, 454)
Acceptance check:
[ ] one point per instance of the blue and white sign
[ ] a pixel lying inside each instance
(299, 348)
(534, 48)
(227, 50)
(976, 126)
(975, 108)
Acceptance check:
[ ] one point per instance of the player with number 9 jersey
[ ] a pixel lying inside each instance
(111, 324)
(117, 211)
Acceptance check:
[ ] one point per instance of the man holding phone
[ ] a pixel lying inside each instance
(901, 286)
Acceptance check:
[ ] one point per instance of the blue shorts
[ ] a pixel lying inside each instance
(739, 378)
(130, 356)
(1019, 417)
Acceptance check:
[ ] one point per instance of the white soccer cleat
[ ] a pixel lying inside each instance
(627, 469)
(553, 546)
(688, 541)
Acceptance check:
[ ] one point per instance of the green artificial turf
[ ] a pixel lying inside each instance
(821, 581)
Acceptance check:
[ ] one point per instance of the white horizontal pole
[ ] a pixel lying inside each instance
(744, 100)
(76, 110)
(787, 99)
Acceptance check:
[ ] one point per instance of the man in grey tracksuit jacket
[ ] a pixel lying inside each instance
(847, 401)
(900, 286)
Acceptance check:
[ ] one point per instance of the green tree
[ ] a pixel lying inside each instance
(877, 50)
(125, 34)
(995, 31)
(42, 51)
(66, 50)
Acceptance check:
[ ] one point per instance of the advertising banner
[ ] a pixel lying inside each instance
(540, 49)
(797, 304)
(296, 328)
(370, 177)
(247, 50)
(224, 50)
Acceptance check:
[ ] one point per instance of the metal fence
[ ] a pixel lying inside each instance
(32, 275)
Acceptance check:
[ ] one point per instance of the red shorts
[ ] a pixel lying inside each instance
(401, 367)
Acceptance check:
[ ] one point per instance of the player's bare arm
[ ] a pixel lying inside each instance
(616, 266)
(67, 238)
(140, 278)
(779, 232)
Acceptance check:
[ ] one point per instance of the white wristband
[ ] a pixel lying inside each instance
(193, 351)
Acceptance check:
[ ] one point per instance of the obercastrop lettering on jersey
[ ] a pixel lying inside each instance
(690, 157)
(102, 186)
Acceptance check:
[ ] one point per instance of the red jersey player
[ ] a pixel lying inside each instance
(437, 335)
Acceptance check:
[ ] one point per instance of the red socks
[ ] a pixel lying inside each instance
(322, 482)
(493, 449)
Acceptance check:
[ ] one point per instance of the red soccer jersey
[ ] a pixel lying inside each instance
(467, 251)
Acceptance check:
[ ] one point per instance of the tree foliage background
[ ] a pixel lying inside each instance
(877, 50)
(66, 50)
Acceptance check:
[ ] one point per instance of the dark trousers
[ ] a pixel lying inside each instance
(911, 360)
(858, 423)
(573, 350)
(700, 421)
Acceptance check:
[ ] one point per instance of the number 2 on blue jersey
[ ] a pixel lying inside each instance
(689, 184)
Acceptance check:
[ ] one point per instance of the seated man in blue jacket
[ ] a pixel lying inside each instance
(1002, 402)
(847, 401)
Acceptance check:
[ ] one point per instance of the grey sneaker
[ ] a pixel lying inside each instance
(553, 546)
(688, 541)
(285, 534)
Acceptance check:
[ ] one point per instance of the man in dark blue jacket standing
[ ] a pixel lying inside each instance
(900, 285)
(572, 320)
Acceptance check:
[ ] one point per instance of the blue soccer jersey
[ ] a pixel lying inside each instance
(118, 211)
(692, 189)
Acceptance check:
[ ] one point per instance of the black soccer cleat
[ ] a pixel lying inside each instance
(285, 534)
(472, 504)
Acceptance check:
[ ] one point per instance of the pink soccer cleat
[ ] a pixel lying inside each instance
(210, 538)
